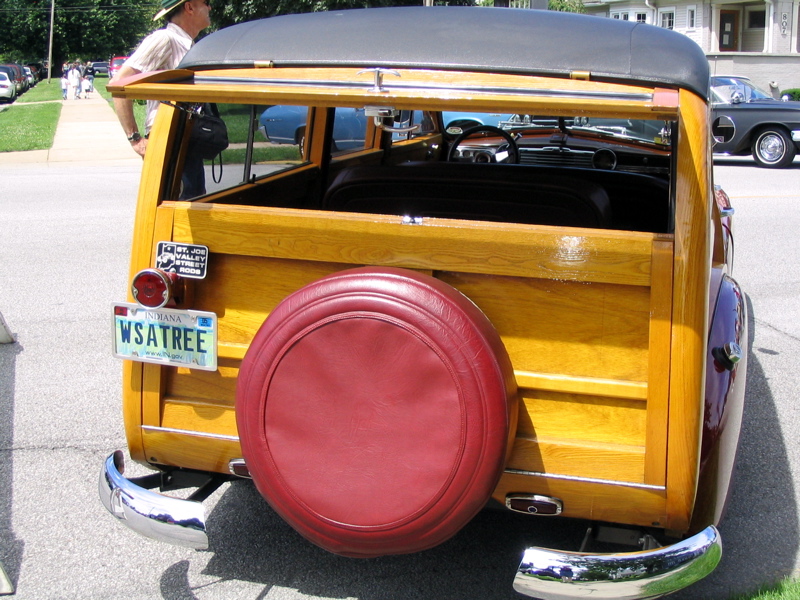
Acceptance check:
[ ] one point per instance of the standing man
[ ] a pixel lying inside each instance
(162, 49)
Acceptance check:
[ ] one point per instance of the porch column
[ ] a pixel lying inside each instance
(769, 26)
(714, 32)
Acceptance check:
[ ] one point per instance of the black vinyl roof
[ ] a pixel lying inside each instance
(500, 40)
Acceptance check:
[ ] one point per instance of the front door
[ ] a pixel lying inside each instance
(729, 31)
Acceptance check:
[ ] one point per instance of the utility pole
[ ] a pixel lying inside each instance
(50, 50)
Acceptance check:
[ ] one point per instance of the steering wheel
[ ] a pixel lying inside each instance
(513, 151)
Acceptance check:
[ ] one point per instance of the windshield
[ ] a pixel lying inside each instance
(733, 90)
(641, 130)
(656, 132)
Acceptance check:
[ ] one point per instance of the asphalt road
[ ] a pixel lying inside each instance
(64, 241)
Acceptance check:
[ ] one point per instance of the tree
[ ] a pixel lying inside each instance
(82, 29)
(224, 14)
(573, 6)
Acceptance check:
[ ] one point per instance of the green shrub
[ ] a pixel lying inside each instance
(794, 93)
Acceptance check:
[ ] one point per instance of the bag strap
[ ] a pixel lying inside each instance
(213, 172)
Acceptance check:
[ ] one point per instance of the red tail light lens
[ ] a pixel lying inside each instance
(153, 288)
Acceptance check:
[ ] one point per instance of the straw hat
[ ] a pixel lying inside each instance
(167, 6)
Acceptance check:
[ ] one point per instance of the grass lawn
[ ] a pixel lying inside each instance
(785, 590)
(27, 126)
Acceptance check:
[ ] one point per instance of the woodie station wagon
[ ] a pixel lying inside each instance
(537, 315)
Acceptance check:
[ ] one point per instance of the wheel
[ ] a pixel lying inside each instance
(513, 151)
(773, 148)
(376, 408)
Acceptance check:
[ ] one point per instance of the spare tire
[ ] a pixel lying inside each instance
(376, 409)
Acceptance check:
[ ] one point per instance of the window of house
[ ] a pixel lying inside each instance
(620, 15)
(641, 17)
(666, 18)
(756, 19)
(691, 17)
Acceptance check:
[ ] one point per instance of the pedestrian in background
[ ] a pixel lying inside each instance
(64, 85)
(74, 78)
(88, 72)
(164, 49)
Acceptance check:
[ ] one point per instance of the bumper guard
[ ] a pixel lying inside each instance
(173, 520)
(555, 575)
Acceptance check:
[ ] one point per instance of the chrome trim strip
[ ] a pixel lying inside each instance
(556, 575)
(216, 436)
(163, 518)
(643, 486)
(395, 86)
(796, 135)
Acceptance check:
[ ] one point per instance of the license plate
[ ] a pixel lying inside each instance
(178, 338)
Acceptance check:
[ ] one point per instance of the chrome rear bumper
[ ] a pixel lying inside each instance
(555, 575)
(163, 518)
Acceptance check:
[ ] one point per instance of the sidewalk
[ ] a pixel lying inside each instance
(87, 131)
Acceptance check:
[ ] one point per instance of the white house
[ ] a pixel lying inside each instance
(753, 39)
(757, 39)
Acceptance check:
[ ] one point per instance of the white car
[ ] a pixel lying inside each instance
(30, 77)
(8, 90)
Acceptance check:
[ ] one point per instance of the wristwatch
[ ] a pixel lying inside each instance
(134, 137)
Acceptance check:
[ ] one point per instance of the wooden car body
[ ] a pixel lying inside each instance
(627, 413)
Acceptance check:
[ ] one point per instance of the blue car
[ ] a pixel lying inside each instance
(286, 124)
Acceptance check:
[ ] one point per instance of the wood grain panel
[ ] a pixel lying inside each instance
(588, 500)
(577, 458)
(575, 329)
(466, 91)
(694, 195)
(567, 254)
(190, 451)
(217, 386)
(659, 363)
(549, 415)
(204, 417)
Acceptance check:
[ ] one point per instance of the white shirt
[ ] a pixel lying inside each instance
(162, 49)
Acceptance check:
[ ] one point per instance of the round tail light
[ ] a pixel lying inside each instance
(153, 288)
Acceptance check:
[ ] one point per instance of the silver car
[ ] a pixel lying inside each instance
(8, 91)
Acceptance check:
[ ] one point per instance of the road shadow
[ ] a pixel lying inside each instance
(760, 530)
(251, 543)
(11, 548)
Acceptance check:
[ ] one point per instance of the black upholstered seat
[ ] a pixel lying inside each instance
(507, 193)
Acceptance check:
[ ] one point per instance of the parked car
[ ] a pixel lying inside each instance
(14, 74)
(39, 70)
(115, 65)
(8, 91)
(539, 315)
(287, 124)
(100, 68)
(748, 120)
(29, 76)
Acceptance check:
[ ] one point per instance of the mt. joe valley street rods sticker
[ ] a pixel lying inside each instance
(187, 260)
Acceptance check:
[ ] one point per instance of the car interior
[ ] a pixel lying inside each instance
(526, 169)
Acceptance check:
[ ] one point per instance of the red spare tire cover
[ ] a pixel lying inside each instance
(376, 408)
